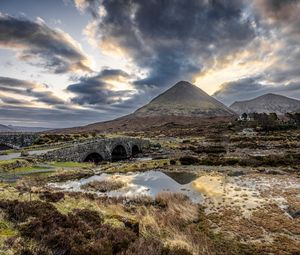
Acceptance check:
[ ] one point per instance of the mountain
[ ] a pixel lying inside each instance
(4, 128)
(184, 99)
(182, 105)
(267, 103)
(28, 129)
(21, 129)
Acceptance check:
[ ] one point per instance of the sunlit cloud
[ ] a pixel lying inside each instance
(39, 45)
(242, 64)
(13, 91)
(118, 55)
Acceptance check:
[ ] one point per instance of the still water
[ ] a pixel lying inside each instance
(148, 183)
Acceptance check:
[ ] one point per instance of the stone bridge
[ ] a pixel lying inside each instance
(98, 150)
(16, 140)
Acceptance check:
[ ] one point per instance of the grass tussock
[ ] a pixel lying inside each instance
(189, 160)
(70, 174)
(53, 197)
(7, 165)
(103, 186)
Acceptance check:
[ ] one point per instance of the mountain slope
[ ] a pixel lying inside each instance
(28, 129)
(4, 128)
(184, 99)
(267, 103)
(21, 129)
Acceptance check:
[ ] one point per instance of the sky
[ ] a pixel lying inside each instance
(67, 63)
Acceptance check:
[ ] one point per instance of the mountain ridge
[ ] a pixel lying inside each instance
(267, 103)
(21, 129)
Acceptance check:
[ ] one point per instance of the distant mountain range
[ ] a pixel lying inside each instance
(182, 104)
(267, 103)
(10, 128)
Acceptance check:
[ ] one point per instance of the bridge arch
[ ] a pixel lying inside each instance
(135, 149)
(93, 157)
(119, 152)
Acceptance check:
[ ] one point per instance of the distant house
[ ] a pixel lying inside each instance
(246, 117)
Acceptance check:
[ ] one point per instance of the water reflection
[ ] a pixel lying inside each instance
(148, 183)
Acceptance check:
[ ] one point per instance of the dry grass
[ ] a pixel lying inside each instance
(103, 186)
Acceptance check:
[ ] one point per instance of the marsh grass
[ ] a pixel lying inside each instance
(8, 165)
(167, 225)
(103, 186)
(71, 164)
(44, 230)
(125, 167)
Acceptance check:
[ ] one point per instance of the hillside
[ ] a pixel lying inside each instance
(266, 104)
(184, 99)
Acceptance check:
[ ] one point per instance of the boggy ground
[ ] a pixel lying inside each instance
(249, 181)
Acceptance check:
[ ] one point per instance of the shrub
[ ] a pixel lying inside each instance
(52, 197)
(103, 186)
(172, 162)
(189, 160)
(74, 233)
(216, 149)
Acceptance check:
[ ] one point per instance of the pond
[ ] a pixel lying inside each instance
(148, 183)
(14, 176)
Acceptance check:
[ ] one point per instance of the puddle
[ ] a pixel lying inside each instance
(148, 183)
(13, 177)
(213, 191)
(142, 159)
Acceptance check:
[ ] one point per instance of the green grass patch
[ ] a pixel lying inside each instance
(7, 165)
(70, 164)
(6, 229)
(30, 169)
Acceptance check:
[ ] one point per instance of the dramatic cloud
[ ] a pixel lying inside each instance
(248, 88)
(280, 22)
(13, 101)
(102, 89)
(236, 49)
(28, 89)
(40, 45)
(170, 40)
(280, 10)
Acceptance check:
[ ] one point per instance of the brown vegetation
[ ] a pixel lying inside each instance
(103, 186)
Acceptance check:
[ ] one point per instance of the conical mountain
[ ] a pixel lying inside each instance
(184, 99)
(267, 103)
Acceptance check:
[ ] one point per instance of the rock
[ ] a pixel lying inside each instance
(293, 212)
(236, 173)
